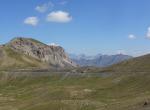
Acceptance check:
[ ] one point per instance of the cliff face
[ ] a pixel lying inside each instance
(51, 55)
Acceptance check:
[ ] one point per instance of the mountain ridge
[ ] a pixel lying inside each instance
(25, 51)
(137, 64)
(99, 60)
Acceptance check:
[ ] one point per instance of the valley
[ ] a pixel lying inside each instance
(63, 91)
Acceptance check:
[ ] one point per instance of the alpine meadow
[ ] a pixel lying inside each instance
(74, 55)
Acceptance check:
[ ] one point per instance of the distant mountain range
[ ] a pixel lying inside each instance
(98, 60)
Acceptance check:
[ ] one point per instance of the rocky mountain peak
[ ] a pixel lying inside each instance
(53, 55)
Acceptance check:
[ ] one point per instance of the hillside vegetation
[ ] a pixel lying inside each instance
(139, 64)
(12, 60)
(53, 91)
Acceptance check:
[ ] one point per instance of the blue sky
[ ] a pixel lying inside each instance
(80, 26)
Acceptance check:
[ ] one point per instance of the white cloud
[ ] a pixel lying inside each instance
(59, 16)
(131, 36)
(31, 21)
(148, 33)
(53, 44)
(44, 7)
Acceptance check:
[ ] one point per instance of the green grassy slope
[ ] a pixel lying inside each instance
(139, 64)
(11, 60)
(34, 41)
(74, 93)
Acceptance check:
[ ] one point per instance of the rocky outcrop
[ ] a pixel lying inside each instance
(52, 55)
